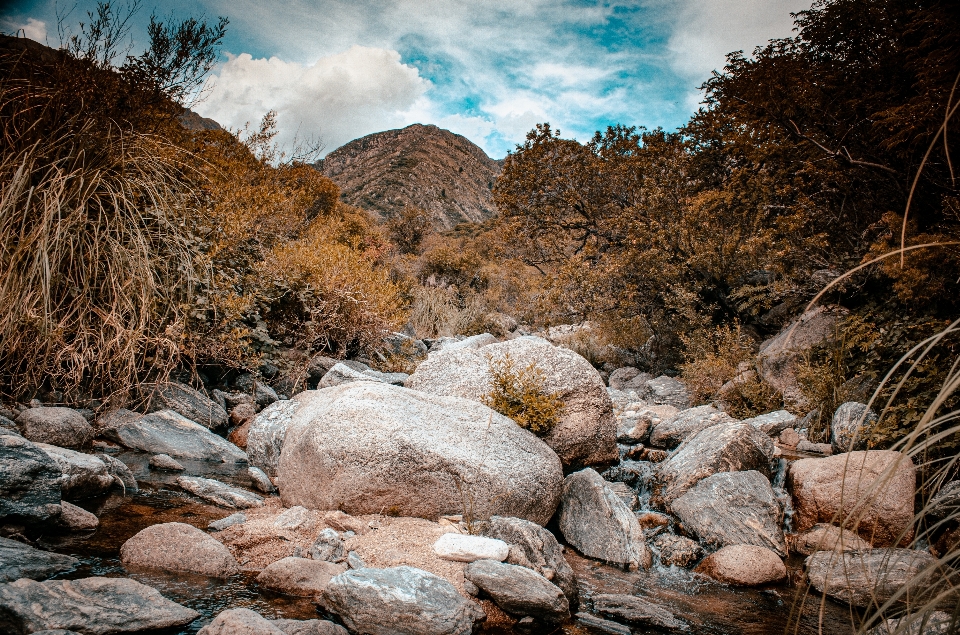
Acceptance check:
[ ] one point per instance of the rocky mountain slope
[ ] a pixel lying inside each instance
(422, 166)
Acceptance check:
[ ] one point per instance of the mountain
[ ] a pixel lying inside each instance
(421, 166)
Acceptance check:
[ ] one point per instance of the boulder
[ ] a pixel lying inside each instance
(260, 480)
(781, 355)
(219, 493)
(824, 537)
(869, 492)
(240, 622)
(354, 561)
(625, 493)
(921, 623)
(519, 591)
(328, 546)
(628, 378)
(166, 432)
(299, 576)
(727, 447)
(773, 423)
(93, 606)
(84, 475)
(946, 502)
(869, 578)
(596, 522)
(165, 462)
(671, 432)
(677, 551)
(29, 481)
(18, 560)
(474, 342)
(62, 427)
(178, 547)
(343, 374)
(733, 508)
(743, 565)
(267, 432)
(263, 395)
(636, 474)
(309, 627)
(75, 518)
(399, 601)
(666, 391)
(586, 432)
(120, 472)
(851, 427)
(366, 446)
(186, 401)
(7, 426)
(535, 548)
(636, 610)
(467, 548)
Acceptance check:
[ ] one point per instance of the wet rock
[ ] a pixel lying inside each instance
(586, 433)
(636, 610)
(652, 520)
(519, 591)
(595, 521)
(673, 431)
(851, 427)
(240, 622)
(635, 474)
(535, 548)
(309, 627)
(328, 546)
(872, 490)
(946, 502)
(294, 518)
(625, 493)
(922, 623)
(165, 462)
(120, 472)
(166, 432)
(733, 508)
(178, 547)
(677, 551)
(75, 518)
(399, 601)
(18, 560)
(743, 565)
(233, 519)
(261, 481)
(185, 401)
(467, 548)
(267, 433)
(62, 427)
(299, 576)
(219, 493)
(29, 481)
(604, 626)
(863, 578)
(93, 606)
(263, 395)
(727, 447)
(8, 426)
(366, 446)
(666, 391)
(773, 423)
(84, 475)
(652, 455)
(825, 537)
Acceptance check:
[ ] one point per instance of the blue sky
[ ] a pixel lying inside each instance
(488, 69)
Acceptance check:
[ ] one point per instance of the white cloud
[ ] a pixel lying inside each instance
(32, 28)
(338, 98)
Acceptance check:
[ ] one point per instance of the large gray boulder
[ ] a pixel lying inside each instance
(93, 606)
(166, 432)
(535, 548)
(671, 432)
(267, 432)
(219, 493)
(366, 447)
(178, 547)
(733, 508)
(586, 433)
(18, 560)
(867, 578)
(399, 601)
(184, 400)
(726, 447)
(598, 524)
(29, 481)
(63, 427)
(84, 475)
(851, 427)
(519, 591)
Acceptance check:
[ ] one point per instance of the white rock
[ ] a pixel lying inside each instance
(294, 518)
(466, 548)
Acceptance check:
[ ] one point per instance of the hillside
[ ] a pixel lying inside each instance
(422, 166)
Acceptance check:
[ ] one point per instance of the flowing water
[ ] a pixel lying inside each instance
(708, 607)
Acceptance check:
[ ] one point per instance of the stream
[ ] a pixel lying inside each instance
(708, 607)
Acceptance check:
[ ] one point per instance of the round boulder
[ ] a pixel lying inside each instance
(743, 565)
(178, 547)
(63, 427)
(370, 447)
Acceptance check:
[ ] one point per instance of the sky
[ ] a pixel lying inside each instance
(336, 70)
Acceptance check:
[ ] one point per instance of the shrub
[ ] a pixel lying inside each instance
(715, 356)
(519, 393)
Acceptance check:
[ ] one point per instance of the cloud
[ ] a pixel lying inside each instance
(338, 98)
(32, 28)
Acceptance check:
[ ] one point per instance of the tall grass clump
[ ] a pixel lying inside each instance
(520, 392)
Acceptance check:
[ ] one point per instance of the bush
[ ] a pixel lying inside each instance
(519, 393)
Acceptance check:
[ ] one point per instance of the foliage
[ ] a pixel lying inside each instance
(519, 392)
(439, 312)
(408, 230)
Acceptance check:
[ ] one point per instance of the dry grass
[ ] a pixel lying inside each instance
(519, 392)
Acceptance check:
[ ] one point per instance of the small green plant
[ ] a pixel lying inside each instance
(519, 392)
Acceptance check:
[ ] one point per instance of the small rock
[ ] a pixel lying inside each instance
(260, 480)
(165, 462)
(354, 561)
(635, 474)
(789, 438)
(262, 394)
(673, 431)
(309, 627)
(219, 493)
(622, 376)
(666, 391)
(678, 551)
(773, 423)
(240, 622)
(946, 502)
(75, 518)
(602, 625)
(625, 493)
(851, 427)
(535, 548)
(868, 578)
(184, 400)
(84, 475)
(233, 519)
(636, 610)
(652, 520)
(922, 623)
(18, 560)
(242, 413)
(814, 448)
(294, 518)
(519, 591)
(120, 472)
(57, 426)
(826, 537)
(467, 548)
(328, 546)
(470, 588)
(240, 434)
(654, 456)
(344, 522)
(743, 565)
(178, 547)
(299, 576)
